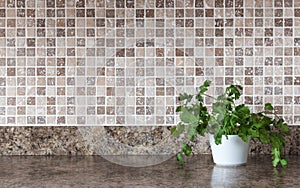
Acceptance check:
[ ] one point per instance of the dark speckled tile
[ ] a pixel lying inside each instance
(94, 171)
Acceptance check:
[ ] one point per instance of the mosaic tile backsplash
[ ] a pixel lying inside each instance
(123, 62)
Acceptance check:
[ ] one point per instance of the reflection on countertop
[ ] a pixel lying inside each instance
(95, 171)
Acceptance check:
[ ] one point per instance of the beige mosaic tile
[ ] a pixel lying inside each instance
(124, 62)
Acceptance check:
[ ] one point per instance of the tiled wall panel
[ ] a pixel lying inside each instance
(123, 62)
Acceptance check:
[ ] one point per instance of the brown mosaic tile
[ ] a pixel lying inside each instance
(169, 3)
(288, 32)
(41, 32)
(150, 13)
(41, 120)
(259, 22)
(209, 12)
(11, 71)
(239, 3)
(239, 12)
(189, 12)
(50, 13)
(278, 22)
(297, 81)
(11, 3)
(80, 12)
(219, 52)
(41, 91)
(11, 23)
(278, 3)
(179, 13)
(219, 32)
(20, 13)
(297, 12)
(11, 42)
(268, 42)
(258, 71)
(228, 3)
(140, 13)
(199, 3)
(11, 101)
(288, 22)
(110, 13)
(60, 23)
(269, 32)
(278, 13)
(130, 4)
(130, 52)
(239, 61)
(60, 3)
(219, 22)
(101, 110)
(288, 3)
(31, 101)
(120, 3)
(100, 22)
(90, 13)
(160, 3)
(80, 3)
(219, 3)
(199, 13)
(189, 23)
(259, 12)
(31, 120)
(30, 13)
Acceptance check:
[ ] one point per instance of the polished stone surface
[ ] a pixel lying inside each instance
(52, 140)
(94, 171)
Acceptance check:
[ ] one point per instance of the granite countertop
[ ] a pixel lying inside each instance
(99, 140)
(95, 171)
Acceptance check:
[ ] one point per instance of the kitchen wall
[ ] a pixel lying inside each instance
(123, 62)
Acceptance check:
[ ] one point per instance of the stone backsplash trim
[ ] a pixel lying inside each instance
(98, 141)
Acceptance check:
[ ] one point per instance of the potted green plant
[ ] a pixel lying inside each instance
(224, 118)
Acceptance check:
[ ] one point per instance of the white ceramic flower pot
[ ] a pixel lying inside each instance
(232, 152)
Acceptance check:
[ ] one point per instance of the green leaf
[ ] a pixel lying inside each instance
(256, 126)
(178, 109)
(264, 136)
(275, 161)
(283, 162)
(187, 149)
(203, 88)
(191, 132)
(277, 140)
(234, 90)
(201, 128)
(185, 96)
(187, 117)
(254, 132)
(173, 130)
(244, 136)
(268, 106)
(207, 83)
(282, 126)
(180, 158)
(218, 136)
(199, 97)
(178, 130)
(219, 108)
(242, 111)
(276, 156)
